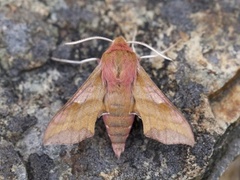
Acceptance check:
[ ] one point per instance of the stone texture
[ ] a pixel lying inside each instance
(202, 81)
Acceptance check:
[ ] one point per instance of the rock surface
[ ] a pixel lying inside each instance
(203, 81)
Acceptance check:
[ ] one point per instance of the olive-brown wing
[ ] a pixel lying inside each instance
(161, 119)
(76, 120)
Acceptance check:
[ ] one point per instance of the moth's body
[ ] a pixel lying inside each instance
(118, 89)
(119, 74)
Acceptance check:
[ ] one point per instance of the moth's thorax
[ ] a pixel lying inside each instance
(119, 64)
(119, 67)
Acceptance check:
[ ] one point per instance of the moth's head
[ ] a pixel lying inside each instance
(119, 44)
(119, 40)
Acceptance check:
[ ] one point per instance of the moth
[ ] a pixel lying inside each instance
(118, 90)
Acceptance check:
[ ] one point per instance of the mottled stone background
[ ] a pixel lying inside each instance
(203, 81)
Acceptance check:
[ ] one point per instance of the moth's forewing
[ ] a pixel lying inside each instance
(76, 120)
(161, 119)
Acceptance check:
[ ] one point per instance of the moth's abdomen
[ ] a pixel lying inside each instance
(118, 128)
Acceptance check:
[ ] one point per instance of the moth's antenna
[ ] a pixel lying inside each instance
(74, 62)
(170, 47)
(88, 39)
(173, 45)
(78, 42)
(149, 56)
(151, 48)
(134, 37)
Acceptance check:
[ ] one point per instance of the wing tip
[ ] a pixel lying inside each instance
(67, 137)
(171, 137)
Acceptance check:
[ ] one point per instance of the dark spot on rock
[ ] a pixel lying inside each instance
(39, 167)
(203, 149)
(18, 125)
(12, 166)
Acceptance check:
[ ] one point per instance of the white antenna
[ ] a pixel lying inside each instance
(74, 62)
(149, 47)
(149, 56)
(170, 47)
(78, 42)
(107, 39)
(88, 39)
(134, 37)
